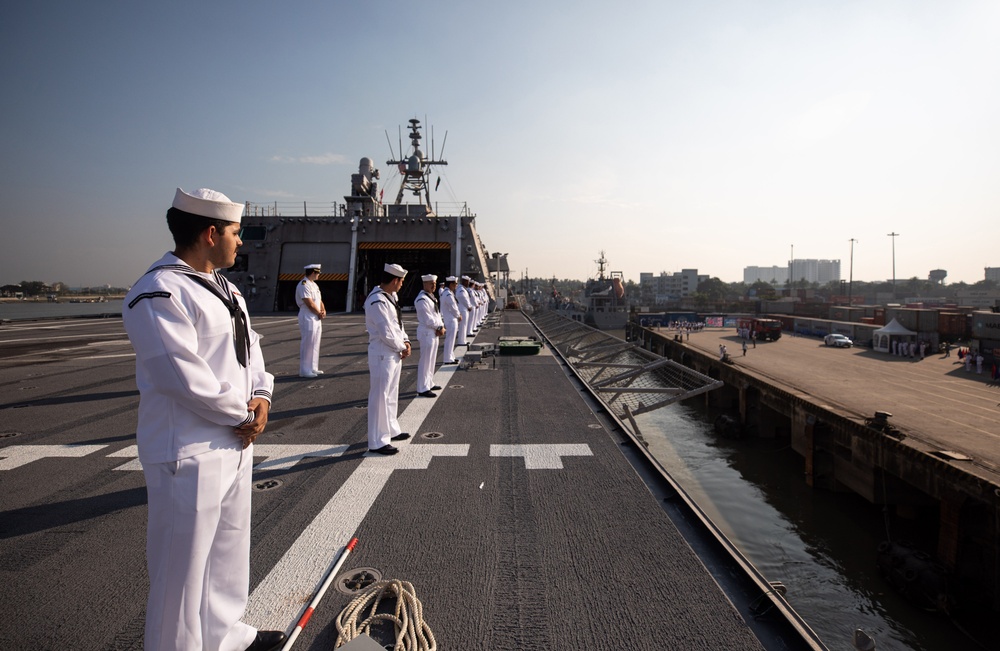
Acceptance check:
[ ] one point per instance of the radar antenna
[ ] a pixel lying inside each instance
(601, 264)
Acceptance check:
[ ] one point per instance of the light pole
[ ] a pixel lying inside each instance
(850, 282)
(893, 235)
(501, 270)
(791, 271)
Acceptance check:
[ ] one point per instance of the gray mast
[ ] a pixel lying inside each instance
(415, 169)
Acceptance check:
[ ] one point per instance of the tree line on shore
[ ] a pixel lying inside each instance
(36, 288)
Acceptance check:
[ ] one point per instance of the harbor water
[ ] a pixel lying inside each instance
(30, 310)
(821, 545)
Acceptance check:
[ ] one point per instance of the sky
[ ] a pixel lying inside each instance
(671, 135)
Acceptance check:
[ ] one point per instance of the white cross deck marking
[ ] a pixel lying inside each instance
(279, 456)
(19, 455)
(279, 599)
(542, 456)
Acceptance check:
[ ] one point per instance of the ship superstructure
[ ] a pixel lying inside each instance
(354, 239)
(605, 301)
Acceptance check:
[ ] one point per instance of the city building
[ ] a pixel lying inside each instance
(992, 273)
(815, 271)
(665, 288)
(776, 275)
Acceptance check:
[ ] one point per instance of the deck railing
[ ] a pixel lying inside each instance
(628, 379)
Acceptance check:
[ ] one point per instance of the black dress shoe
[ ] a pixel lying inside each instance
(435, 388)
(386, 449)
(267, 641)
(428, 394)
(401, 437)
(451, 361)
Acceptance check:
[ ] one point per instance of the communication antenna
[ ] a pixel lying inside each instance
(389, 142)
(399, 129)
(415, 167)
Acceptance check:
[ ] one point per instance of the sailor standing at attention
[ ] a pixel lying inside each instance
(481, 295)
(452, 319)
(204, 398)
(474, 297)
(311, 314)
(462, 298)
(430, 326)
(467, 303)
(388, 346)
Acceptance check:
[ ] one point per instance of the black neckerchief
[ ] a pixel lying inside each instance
(241, 337)
(392, 301)
(434, 299)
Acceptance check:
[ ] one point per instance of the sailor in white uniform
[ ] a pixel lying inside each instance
(388, 346)
(430, 326)
(311, 314)
(452, 319)
(480, 304)
(204, 398)
(467, 303)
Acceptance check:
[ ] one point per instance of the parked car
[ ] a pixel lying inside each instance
(837, 341)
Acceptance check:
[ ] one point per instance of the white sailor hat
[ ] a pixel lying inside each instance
(451, 279)
(466, 278)
(429, 278)
(395, 270)
(208, 203)
(317, 267)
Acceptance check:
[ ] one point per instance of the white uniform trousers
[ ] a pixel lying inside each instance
(462, 336)
(428, 358)
(311, 329)
(451, 331)
(198, 552)
(470, 323)
(384, 366)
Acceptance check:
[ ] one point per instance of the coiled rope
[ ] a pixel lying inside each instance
(411, 631)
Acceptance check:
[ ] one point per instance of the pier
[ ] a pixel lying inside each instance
(940, 457)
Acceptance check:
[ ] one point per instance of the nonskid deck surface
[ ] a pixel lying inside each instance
(511, 510)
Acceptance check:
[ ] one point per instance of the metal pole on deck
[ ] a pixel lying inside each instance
(327, 580)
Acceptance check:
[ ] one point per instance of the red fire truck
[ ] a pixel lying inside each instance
(764, 329)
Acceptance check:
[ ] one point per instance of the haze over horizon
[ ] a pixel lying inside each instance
(670, 135)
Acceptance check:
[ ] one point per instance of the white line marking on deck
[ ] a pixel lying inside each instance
(19, 455)
(279, 456)
(542, 456)
(279, 599)
(131, 451)
(108, 356)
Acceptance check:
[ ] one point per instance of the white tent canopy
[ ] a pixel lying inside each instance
(893, 331)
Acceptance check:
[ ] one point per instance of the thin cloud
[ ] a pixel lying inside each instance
(828, 118)
(321, 159)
